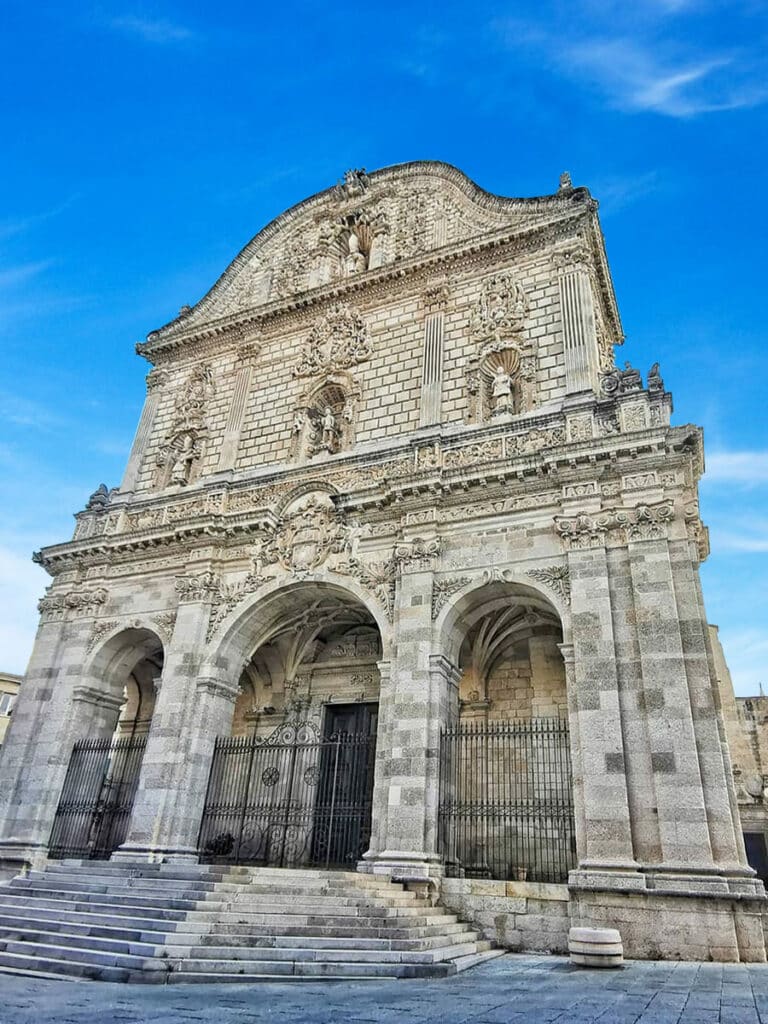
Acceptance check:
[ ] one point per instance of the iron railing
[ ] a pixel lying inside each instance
(506, 800)
(288, 801)
(97, 799)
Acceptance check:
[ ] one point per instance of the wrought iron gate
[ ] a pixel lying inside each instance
(97, 799)
(288, 801)
(506, 800)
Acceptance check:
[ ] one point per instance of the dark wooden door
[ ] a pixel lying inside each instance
(342, 829)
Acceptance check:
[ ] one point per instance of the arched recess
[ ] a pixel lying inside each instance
(122, 676)
(112, 710)
(306, 655)
(507, 794)
(325, 417)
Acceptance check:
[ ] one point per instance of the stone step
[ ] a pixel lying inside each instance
(62, 880)
(84, 906)
(38, 965)
(99, 895)
(133, 925)
(322, 931)
(73, 941)
(221, 899)
(382, 921)
(324, 942)
(181, 888)
(246, 970)
(463, 963)
(232, 954)
(56, 923)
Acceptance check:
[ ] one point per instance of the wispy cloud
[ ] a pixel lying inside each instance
(159, 31)
(637, 68)
(746, 651)
(747, 468)
(10, 277)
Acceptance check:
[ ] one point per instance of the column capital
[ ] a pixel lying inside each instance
(442, 666)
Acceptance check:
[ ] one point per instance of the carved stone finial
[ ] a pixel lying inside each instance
(355, 183)
(99, 499)
(566, 185)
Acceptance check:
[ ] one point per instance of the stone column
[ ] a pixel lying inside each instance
(675, 776)
(579, 331)
(247, 355)
(711, 747)
(434, 299)
(383, 755)
(155, 380)
(606, 843)
(50, 715)
(190, 712)
(421, 699)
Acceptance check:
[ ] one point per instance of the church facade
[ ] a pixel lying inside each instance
(403, 576)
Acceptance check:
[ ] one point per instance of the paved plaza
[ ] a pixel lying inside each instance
(510, 990)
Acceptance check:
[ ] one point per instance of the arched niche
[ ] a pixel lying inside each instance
(326, 416)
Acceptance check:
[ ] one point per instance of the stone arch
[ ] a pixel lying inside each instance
(504, 634)
(120, 679)
(495, 587)
(236, 638)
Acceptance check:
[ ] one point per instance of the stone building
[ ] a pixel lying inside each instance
(9, 688)
(402, 575)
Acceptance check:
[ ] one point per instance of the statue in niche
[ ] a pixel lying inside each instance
(501, 391)
(355, 261)
(298, 422)
(328, 424)
(181, 466)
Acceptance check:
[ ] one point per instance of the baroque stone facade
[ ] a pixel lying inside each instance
(389, 461)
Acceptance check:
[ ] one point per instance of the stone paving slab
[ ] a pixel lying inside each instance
(510, 990)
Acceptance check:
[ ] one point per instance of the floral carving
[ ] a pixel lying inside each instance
(556, 577)
(443, 589)
(338, 341)
(79, 602)
(501, 309)
(198, 587)
(378, 577)
(643, 522)
(99, 631)
(417, 553)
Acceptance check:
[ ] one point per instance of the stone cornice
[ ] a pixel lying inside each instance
(481, 472)
(415, 272)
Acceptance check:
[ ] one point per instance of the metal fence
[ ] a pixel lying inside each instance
(97, 799)
(289, 801)
(506, 800)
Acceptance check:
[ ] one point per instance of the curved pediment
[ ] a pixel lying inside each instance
(364, 222)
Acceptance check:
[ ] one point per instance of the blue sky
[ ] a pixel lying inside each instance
(144, 145)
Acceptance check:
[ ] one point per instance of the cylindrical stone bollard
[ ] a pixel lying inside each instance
(595, 947)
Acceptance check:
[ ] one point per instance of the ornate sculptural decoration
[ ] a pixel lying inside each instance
(655, 382)
(620, 382)
(355, 261)
(337, 341)
(501, 392)
(356, 183)
(180, 456)
(330, 431)
(501, 309)
(182, 462)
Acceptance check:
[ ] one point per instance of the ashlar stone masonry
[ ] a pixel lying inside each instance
(389, 479)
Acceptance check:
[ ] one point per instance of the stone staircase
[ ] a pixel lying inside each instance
(178, 923)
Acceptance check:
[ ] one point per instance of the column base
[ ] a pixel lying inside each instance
(18, 856)
(402, 865)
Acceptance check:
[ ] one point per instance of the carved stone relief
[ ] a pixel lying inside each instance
(180, 457)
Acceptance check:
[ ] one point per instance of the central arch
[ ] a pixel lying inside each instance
(292, 785)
